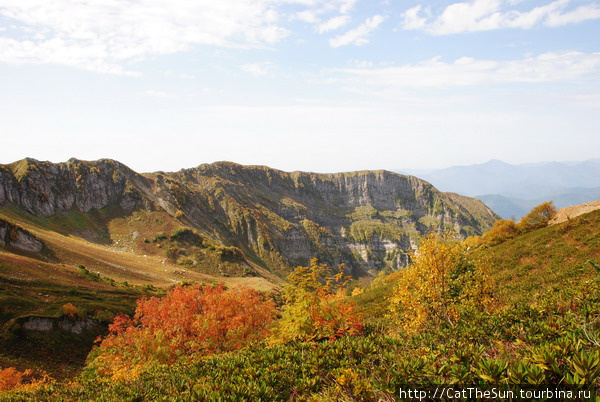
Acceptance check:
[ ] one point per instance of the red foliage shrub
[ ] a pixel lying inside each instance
(188, 320)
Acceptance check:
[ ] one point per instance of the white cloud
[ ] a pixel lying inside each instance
(107, 35)
(466, 71)
(259, 69)
(582, 13)
(346, 6)
(333, 23)
(484, 15)
(309, 16)
(110, 36)
(412, 18)
(358, 35)
(320, 13)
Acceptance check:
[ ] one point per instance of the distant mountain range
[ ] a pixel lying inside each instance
(512, 190)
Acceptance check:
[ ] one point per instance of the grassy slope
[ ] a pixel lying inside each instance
(126, 259)
(547, 258)
(29, 287)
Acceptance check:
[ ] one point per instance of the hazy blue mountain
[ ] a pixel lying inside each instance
(511, 190)
(507, 207)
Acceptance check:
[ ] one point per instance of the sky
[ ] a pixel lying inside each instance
(311, 85)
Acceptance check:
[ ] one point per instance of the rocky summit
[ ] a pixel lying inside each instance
(253, 216)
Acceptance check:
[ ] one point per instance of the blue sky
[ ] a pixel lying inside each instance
(300, 84)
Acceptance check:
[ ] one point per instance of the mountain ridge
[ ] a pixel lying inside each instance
(366, 219)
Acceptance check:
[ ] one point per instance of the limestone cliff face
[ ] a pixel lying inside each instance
(44, 189)
(366, 220)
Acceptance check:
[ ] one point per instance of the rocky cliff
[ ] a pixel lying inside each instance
(14, 236)
(367, 220)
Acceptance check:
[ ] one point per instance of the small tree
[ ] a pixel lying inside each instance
(441, 284)
(69, 310)
(538, 217)
(315, 308)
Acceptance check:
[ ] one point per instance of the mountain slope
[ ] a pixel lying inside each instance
(545, 259)
(273, 219)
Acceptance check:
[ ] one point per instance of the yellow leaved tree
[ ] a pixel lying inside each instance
(440, 286)
(316, 307)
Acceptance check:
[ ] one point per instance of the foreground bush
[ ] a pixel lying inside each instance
(190, 320)
(441, 286)
(515, 346)
(315, 306)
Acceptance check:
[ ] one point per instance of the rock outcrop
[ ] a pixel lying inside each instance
(44, 188)
(64, 324)
(366, 220)
(19, 238)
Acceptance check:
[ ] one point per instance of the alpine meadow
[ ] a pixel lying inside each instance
(299, 200)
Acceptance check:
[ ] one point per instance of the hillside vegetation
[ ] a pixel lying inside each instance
(521, 311)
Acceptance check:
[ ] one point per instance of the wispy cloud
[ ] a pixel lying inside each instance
(326, 15)
(485, 15)
(259, 69)
(465, 71)
(359, 35)
(333, 23)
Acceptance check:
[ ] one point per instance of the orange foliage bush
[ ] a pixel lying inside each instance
(69, 310)
(13, 379)
(10, 378)
(189, 320)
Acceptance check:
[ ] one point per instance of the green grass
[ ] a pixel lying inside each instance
(92, 224)
(362, 231)
(548, 258)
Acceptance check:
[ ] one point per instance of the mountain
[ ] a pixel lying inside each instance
(507, 207)
(228, 219)
(512, 190)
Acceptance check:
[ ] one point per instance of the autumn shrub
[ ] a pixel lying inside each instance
(315, 307)
(190, 320)
(502, 230)
(69, 310)
(12, 379)
(538, 217)
(441, 285)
